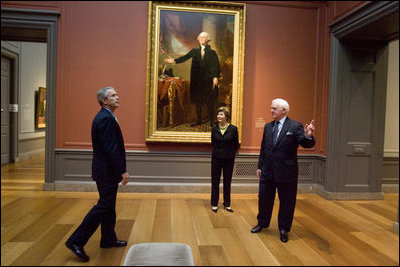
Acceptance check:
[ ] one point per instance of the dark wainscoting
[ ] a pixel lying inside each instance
(189, 172)
(183, 172)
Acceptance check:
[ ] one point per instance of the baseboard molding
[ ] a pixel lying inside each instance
(348, 195)
(390, 171)
(165, 188)
(390, 188)
(30, 155)
(133, 187)
(149, 188)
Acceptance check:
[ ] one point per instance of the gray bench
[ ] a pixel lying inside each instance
(159, 254)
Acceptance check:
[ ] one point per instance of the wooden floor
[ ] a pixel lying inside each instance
(35, 224)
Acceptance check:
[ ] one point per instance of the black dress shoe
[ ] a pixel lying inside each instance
(257, 229)
(284, 236)
(78, 251)
(118, 243)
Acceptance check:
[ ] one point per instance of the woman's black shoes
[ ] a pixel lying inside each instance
(215, 209)
(228, 209)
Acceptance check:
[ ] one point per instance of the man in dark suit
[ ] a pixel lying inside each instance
(278, 167)
(204, 74)
(108, 169)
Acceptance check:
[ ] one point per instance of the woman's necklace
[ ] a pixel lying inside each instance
(224, 127)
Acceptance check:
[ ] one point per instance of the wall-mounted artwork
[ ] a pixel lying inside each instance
(185, 82)
(40, 117)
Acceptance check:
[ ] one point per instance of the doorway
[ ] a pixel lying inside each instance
(357, 100)
(23, 96)
(38, 26)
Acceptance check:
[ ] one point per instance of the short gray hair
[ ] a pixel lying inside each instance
(282, 103)
(208, 38)
(102, 94)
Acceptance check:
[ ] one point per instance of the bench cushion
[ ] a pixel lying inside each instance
(159, 254)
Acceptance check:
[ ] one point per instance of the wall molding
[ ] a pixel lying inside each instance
(364, 15)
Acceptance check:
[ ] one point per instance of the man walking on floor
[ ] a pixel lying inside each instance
(108, 170)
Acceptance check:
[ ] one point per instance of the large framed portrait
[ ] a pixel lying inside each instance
(195, 65)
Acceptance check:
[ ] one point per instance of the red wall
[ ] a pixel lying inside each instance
(285, 49)
(105, 44)
(101, 44)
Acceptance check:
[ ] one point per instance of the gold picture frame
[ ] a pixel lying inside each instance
(175, 111)
(40, 117)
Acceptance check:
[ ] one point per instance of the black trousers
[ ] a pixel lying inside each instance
(216, 166)
(287, 193)
(102, 213)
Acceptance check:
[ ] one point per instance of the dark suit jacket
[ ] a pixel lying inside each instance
(226, 145)
(202, 72)
(108, 149)
(279, 162)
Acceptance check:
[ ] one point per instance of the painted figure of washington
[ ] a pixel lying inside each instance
(204, 74)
